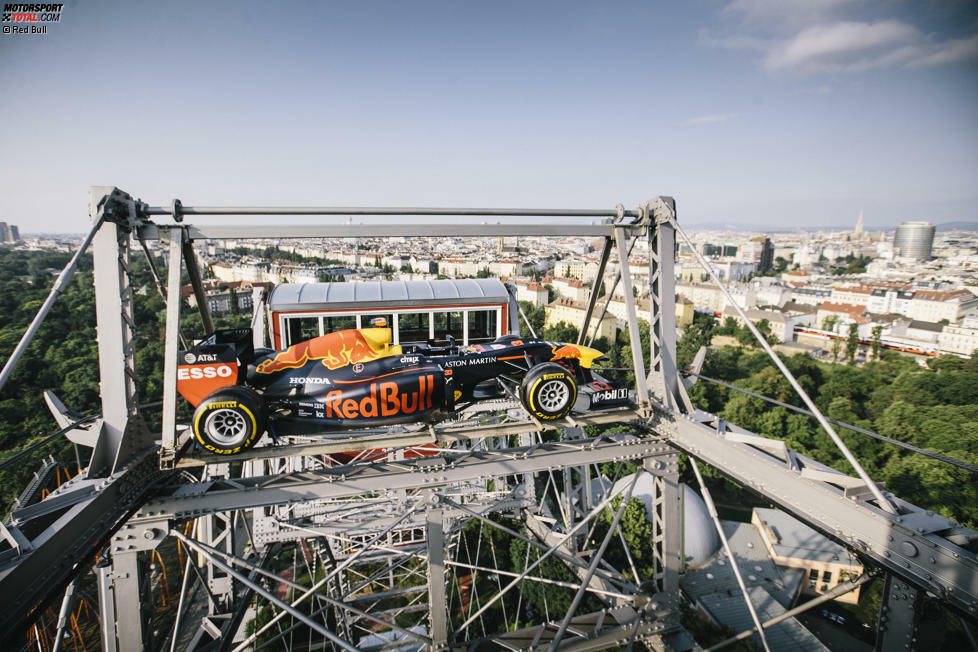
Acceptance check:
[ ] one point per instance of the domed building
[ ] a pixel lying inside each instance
(700, 539)
(775, 566)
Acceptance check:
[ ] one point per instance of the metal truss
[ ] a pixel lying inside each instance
(389, 549)
(441, 560)
(449, 469)
(923, 548)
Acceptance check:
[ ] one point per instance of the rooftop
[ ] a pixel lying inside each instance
(732, 612)
(305, 296)
(790, 538)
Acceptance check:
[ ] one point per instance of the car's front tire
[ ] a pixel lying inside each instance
(548, 391)
(229, 421)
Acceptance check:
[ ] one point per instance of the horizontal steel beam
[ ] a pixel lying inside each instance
(377, 230)
(266, 531)
(595, 631)
(448, 469)
(73, 537)
(181, 210)
(907, 544)
(386, 440)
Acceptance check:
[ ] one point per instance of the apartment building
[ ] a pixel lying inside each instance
(811, 295)
(571, 288)
(509, 268)
(929, 305)
(958, 339)
(782, 324)
(585, 270)
(532, 292)
(459, 267)
(853, 295)
(573, 312)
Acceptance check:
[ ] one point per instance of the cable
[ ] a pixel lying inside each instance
(611, 293)
(884, 504)
(848, 426)
(71, 426)
(711, 508)
(19, 454)
(159, 285)
(840, 589)
(60, 285)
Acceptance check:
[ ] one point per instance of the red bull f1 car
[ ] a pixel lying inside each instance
(357, 379)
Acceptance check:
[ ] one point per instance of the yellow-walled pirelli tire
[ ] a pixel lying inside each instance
(548, 391)
(229, 421)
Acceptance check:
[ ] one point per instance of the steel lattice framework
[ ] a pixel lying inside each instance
(394, 547)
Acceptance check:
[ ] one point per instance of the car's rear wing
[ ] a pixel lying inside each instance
(216, 361)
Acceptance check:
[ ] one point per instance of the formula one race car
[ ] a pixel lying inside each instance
(358, 379)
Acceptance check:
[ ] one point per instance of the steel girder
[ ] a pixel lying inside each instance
(600, 630)
(912, 544)
(56, 553)
(190, 501)
(918, 547)
(323, 490)
(405, 230)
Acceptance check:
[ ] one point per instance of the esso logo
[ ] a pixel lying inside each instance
(194, 373)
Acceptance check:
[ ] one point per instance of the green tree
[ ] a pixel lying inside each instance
(836, 349)
(696, 335)
(877, 344)
(745, 337)
(852, 343)
(536, 316)
(729, 327)
(560, 332)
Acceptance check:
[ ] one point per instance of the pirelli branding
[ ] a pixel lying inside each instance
(384, 399)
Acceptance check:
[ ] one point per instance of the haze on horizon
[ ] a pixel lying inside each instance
(747, 111)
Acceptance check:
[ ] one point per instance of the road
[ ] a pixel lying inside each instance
(833, 636)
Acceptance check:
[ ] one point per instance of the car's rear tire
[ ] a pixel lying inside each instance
(229, 421)
(548, 391)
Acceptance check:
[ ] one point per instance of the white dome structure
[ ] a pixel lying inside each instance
(700, 538)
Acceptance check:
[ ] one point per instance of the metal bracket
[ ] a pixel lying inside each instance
(119, 207)
(662, 209)
(176, 208)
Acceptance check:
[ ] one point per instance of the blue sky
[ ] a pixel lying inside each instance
(747, 111)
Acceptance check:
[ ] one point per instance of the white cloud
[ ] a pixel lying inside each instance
(812, 37)
(711, 119)
(846, 46)
(959, 50)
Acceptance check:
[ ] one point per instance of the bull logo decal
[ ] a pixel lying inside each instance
(566, 351)
(335, 350)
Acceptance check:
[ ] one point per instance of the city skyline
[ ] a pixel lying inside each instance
(748, 112)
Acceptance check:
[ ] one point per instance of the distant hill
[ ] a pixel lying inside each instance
(760, 228)
(780, 228)
(958, 226)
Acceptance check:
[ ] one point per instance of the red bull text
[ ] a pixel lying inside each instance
(385, 399)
